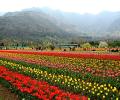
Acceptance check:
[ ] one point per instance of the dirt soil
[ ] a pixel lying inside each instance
(5, 94)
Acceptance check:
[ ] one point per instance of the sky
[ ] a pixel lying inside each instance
(79, 6)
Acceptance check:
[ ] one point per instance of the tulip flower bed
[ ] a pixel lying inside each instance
(32, 89)
(68, 54)
(94, 87)
(91, 75)
(99, 67)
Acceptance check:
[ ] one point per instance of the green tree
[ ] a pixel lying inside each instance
(94, 43)
(86, 45)
(114, 43)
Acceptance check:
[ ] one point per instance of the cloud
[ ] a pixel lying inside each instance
(81, 6)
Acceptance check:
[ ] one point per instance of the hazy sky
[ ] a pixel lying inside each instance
(81, 6)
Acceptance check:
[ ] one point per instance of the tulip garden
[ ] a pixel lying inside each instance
(61, 75)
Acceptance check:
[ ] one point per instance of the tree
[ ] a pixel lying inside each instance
(1, 45)
(94, 43)
(114, 43)
(86, 46)
(51, 46)
(103, 44)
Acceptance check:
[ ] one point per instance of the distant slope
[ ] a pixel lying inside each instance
(47, 24)
(29, 25)
(88, 24)
(115, 26)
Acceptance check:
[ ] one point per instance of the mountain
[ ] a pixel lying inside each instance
(38, 24)
(29, 25)
(2, 13)
(115, 26)
(89, 24)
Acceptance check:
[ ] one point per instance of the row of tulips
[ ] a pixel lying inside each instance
(35, 89)
(70, 81)
(105, 68)
(69, 54)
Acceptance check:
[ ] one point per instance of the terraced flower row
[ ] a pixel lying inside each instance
(69, 54)
(32, 89)
(97, 67)
(93, 87)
